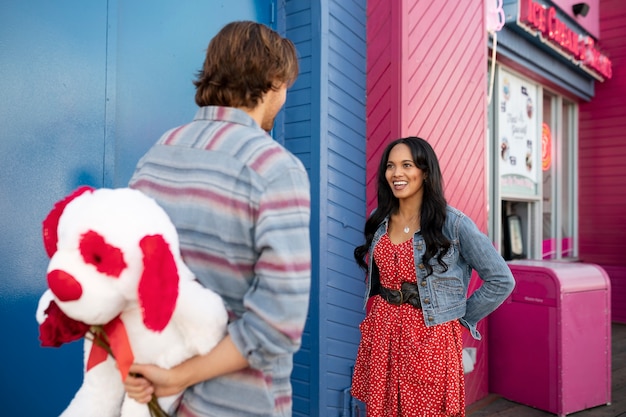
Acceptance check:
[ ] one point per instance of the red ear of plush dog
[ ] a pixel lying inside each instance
(158, 287)
(51, 221)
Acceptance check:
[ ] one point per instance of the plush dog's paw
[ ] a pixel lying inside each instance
(44, 302)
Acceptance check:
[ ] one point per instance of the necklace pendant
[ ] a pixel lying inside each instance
(406, 229)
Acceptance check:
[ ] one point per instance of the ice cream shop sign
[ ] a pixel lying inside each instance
(580, 48)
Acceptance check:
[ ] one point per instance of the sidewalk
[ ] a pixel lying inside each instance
(494, 405)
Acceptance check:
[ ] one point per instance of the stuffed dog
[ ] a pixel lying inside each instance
(115, 266)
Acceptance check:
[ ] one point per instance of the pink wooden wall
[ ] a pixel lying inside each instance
(591, 22)
(602, 167)
(426, 76)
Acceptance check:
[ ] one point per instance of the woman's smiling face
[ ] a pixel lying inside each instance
(403, 176)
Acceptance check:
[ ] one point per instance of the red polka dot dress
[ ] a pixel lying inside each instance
(403, 368)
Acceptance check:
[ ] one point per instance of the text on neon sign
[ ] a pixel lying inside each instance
(544, 20)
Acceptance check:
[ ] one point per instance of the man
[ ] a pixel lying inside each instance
(241, 205)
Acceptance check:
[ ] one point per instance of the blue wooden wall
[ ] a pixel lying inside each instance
(325, 127)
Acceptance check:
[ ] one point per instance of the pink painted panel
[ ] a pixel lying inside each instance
(445, 95)
(617, 276)
(602, 149)
(382, 107)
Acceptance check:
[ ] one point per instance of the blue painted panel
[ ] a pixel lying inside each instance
(52, 61)
(301, 119)
(159, 50)
(345, 193)
(326, 111)
(86, 87)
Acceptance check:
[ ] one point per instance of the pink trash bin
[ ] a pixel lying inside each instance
(550, 342)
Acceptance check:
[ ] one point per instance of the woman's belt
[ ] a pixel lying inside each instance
(406, 294)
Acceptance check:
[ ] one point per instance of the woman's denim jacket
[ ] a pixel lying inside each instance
(443, 294)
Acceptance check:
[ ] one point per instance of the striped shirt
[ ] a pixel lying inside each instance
(241, 204)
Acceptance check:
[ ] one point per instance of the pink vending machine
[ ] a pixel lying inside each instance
(550, 342)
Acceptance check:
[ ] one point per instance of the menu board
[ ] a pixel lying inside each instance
(517, 136)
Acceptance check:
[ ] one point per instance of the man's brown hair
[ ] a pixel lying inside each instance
(243, 62)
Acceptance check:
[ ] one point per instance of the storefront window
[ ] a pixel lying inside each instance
(558, 174)
(515, 118)
(533, 133)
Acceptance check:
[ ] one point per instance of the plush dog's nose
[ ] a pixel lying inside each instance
(64, 286)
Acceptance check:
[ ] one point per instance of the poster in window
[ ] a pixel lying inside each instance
(517, 136)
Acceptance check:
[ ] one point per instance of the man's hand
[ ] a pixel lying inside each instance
(145, 380)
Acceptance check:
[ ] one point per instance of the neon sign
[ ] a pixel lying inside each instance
(546, 147)
(535, 17)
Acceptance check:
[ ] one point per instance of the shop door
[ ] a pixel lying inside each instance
(85, 88)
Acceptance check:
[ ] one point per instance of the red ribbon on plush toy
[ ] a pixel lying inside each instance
(111, 339)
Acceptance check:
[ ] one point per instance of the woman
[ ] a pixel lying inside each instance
(419, 253)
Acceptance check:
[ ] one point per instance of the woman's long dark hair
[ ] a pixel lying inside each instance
(433, 211)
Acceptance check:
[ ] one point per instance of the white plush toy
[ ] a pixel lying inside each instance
(115, 264)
